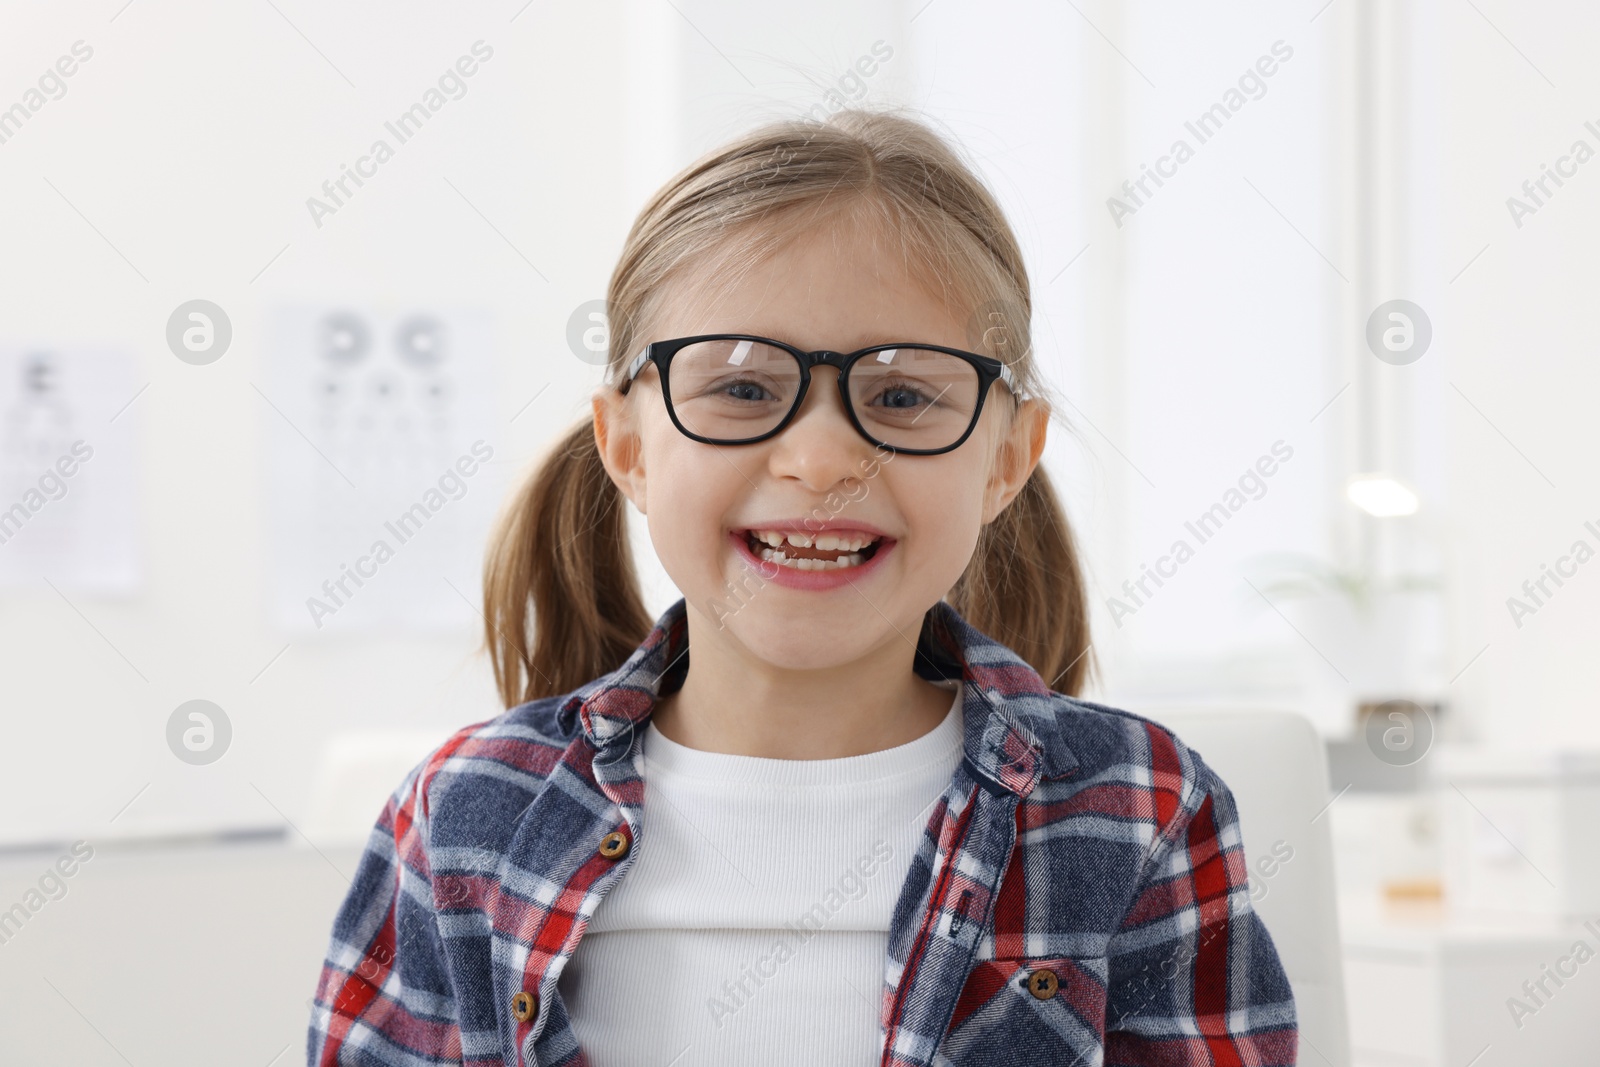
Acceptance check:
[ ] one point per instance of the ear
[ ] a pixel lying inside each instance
(619, 445)
(1016, 457)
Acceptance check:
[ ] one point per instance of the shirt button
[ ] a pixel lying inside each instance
(614, 845)
(524, 1006)
(1043, 983)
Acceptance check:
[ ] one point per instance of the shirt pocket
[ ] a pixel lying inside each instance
(1029, 1011)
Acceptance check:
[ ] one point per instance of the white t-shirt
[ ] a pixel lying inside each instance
(754, 923)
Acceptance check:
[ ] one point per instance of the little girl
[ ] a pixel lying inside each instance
(867, 821)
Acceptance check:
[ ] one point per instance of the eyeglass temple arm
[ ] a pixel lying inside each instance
(1011, 383)
(638, 362)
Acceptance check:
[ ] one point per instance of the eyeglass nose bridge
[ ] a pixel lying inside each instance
(823, 357)
(826, 357)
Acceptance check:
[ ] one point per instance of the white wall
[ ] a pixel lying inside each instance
(191, 140)
(1188, 340)
(1519, 345)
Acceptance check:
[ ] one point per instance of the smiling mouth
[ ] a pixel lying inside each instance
(808, 552)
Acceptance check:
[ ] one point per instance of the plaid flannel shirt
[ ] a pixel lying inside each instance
(1073, 839)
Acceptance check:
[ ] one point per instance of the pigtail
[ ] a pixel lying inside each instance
(1024, 587)
(561, 548)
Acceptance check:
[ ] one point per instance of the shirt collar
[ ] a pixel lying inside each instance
(1011, 720)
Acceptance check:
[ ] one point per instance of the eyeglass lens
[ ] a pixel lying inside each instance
(733, 390)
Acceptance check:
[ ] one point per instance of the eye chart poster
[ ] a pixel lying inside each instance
(68, 513)
(381, 454)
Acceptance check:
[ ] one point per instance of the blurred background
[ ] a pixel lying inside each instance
(282, 282)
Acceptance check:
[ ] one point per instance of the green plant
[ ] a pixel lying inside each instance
(1297, 574)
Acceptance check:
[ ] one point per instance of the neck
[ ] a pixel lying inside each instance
(734, 702)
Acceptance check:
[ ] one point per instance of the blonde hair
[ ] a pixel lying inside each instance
(561, 546)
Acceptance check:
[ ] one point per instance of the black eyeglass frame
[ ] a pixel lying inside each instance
(989, 370)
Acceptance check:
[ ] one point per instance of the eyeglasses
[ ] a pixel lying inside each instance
(736, 389)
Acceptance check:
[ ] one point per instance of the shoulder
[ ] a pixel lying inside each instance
(1159, 778)
(473, 786)
(1120, 815)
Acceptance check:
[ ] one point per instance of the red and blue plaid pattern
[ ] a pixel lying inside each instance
(1072, 837)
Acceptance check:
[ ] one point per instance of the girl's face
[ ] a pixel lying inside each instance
(831, 288)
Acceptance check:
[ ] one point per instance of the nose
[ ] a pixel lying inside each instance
(820, 446)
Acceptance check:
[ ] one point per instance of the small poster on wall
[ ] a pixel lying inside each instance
(68, 426)
(381, 480)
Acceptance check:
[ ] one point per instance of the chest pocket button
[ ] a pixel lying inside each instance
(1043, 983)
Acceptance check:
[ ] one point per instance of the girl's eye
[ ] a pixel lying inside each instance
(731, 389)
(745, 390)
(900, 398)
(904, 396)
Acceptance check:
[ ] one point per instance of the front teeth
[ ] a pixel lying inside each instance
(849, 544)
(802, 563)
(825, 542)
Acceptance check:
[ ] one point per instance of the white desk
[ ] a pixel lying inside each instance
(174, 955)
(1427, 989)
